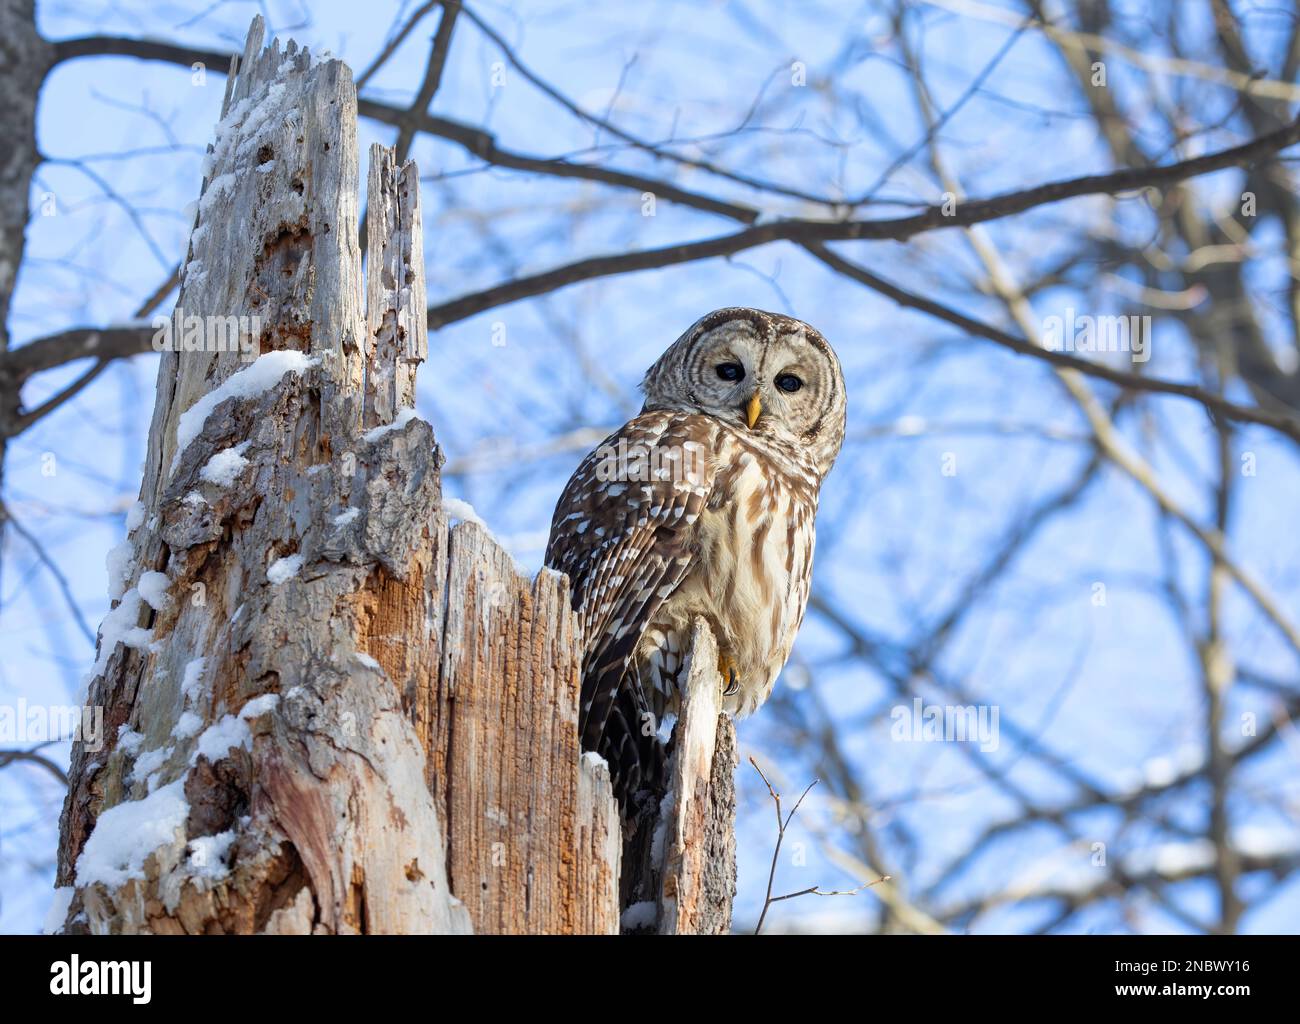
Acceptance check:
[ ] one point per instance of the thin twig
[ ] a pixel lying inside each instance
(782, 823)
(7, 517)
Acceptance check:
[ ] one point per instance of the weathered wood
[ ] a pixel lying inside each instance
(681, 871)
(396, 322)
(333, 708)
(298, 773)
(698, 878)
(600, 850)
(499, 718)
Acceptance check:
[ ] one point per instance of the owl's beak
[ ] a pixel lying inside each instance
(753, 409)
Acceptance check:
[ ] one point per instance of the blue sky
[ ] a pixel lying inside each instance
(1112, 690)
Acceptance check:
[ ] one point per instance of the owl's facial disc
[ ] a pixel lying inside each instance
(750, 380)
(763, 373)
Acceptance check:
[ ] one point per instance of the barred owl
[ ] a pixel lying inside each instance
(702, 505)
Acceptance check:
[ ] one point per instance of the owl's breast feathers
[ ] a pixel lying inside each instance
(677, 515)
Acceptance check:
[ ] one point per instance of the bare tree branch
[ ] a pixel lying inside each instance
(8, 757)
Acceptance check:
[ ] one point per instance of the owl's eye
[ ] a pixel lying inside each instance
(731, 371)
(788, 382)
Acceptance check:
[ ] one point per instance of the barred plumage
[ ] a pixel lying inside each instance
(702, 505)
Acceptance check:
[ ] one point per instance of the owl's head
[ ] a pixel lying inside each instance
(761, 372)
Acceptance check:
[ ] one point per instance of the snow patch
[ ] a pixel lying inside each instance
(125, 835)
(134, 517)
(119, 627)
(462, 511)
(57, 916)
(640, 915)
(187, 725)
(258, 377)
(148, 763)
(118, 563)
(222, 736)
(403, 417)
(128, 740)
(260, 124)
(223, 469)
(192, 680)
(259, 706)
(207, 855)
(345, 517)
(284, 569)
(153, 587)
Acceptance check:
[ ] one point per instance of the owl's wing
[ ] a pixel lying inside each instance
(624, 532)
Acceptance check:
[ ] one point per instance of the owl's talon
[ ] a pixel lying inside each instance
(728, 672)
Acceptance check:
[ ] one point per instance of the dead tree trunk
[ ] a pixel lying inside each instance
(328, 709)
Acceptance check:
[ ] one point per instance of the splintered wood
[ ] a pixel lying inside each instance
(396, 322)
(346, 713)
(680, 875)
(532, 825)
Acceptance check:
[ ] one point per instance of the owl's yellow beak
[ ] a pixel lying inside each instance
(753, 409)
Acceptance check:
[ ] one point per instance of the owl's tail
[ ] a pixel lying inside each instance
(621, 726)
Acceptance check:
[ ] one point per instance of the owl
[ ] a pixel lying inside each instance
(702, 505)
